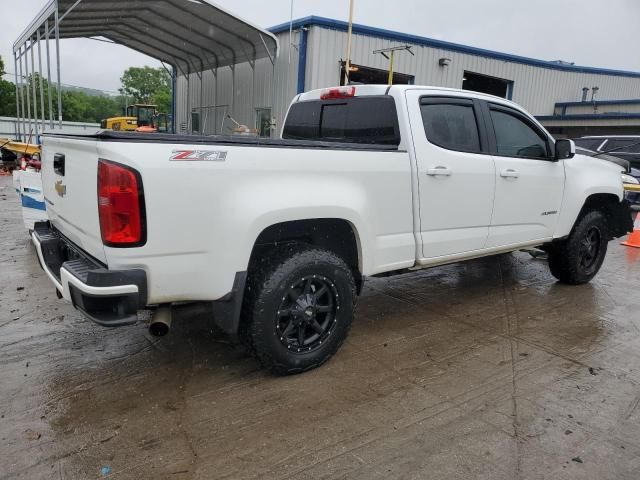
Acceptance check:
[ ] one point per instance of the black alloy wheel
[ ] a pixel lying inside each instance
(307, 313)
(589, 250)
(298, 307)
(578, 258)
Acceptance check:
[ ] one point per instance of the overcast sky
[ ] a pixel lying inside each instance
(588, 32)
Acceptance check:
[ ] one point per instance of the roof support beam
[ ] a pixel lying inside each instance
(69, 10)
(57, 34)
(41, 82)
(26, 88)
(46, 37)
(130, 41)
(227, 31)
(130, 38)
(207, 39)
(18, 112)
(91, 24)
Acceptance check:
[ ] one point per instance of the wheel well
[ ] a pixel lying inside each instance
(333, 234)
(616, 212)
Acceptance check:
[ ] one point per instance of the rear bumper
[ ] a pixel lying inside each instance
(108, 297)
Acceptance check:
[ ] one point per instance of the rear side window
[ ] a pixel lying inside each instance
(370, 120)
(516, 138)
(451, 125)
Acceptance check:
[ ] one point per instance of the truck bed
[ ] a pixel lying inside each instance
(197, 212)
(239, 141)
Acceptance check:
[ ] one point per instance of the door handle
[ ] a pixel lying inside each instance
(509, 173)
(439, 170)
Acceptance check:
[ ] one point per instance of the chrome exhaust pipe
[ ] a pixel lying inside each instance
(161, 321)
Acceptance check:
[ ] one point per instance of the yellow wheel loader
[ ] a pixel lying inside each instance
(136, 116)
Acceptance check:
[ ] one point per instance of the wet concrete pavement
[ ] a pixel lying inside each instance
(488, 369)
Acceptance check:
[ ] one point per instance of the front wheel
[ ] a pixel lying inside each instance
(298, 308)
(578, 258)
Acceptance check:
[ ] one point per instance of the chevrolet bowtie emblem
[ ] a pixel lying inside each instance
(61, 188)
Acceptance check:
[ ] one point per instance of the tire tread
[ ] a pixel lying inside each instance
(563, 261)
(266, 276)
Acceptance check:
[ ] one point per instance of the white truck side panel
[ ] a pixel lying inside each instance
(586, 176)
(203, 217)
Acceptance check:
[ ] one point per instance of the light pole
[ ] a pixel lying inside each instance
(347, 69)
(290, 33)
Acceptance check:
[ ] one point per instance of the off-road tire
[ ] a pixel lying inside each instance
(567, 258)
(270, 280)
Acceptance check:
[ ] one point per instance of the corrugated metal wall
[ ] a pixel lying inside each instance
(254, 89)
(535, 88)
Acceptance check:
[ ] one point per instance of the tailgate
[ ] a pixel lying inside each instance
(70, 190)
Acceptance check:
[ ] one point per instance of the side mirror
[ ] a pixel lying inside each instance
(565, 149)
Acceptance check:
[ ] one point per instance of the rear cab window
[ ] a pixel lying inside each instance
(365, 120)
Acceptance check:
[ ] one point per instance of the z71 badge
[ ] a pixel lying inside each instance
(198, 156)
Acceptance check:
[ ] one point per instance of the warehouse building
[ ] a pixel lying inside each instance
(570, 100)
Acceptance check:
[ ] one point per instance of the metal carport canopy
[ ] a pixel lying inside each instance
(191, 35)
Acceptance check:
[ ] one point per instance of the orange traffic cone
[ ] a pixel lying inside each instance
(634, 238)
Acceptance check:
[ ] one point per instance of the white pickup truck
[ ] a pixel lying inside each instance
(275, 237)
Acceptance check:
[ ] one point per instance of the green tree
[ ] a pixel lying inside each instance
(7, 95)
(162, 99)
(7, 99)
(77, 105)
(147, 85)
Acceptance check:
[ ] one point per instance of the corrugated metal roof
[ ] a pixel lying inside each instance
(193, 35)
(440, 44)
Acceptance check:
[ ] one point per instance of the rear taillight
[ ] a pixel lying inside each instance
(120, 205)
(337, 93)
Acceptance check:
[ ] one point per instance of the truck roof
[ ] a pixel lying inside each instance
(367, 90)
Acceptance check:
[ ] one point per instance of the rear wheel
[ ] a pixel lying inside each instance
(298, 308)
(578, 258)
